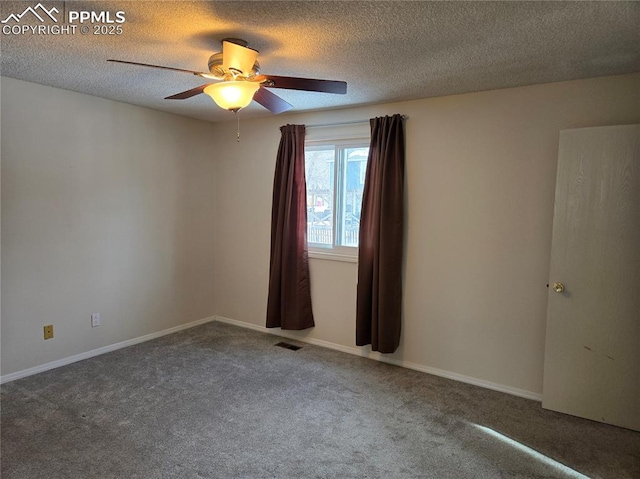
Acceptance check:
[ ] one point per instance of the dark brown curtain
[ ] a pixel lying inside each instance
(379, 303)
(289, 302)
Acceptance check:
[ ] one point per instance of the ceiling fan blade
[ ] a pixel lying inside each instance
(193, 72)
(306, 84)
(271, 101)
(238, 57)
(189, 93)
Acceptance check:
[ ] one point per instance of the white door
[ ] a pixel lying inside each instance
(592, 355)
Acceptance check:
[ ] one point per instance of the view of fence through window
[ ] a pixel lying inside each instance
(335, 181)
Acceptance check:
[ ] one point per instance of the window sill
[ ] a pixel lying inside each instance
(315, 254)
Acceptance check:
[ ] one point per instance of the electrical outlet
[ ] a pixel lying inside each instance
(48, 331)
(95, 320)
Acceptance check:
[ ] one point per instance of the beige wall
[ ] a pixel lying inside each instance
(106, 208)
(128, 212)
(480, 188)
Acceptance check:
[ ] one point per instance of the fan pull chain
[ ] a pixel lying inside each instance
(238, 117)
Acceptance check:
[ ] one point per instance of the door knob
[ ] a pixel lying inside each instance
(558, 287)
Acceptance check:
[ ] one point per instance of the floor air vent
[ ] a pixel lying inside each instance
(290, 346)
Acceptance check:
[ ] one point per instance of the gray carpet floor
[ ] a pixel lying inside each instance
(219, 401)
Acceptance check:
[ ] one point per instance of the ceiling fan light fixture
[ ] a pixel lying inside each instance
(232, 95)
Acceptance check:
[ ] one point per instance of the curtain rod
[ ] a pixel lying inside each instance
(353, 122)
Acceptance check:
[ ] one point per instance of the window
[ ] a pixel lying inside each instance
(335, 175)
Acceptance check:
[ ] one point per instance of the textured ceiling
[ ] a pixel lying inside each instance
(385, 50)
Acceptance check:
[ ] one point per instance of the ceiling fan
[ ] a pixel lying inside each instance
(238, 80)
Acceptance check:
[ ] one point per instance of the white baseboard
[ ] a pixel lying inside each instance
(358, 351)
(96, 352)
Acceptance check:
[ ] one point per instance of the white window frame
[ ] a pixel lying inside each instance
(335, 251)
